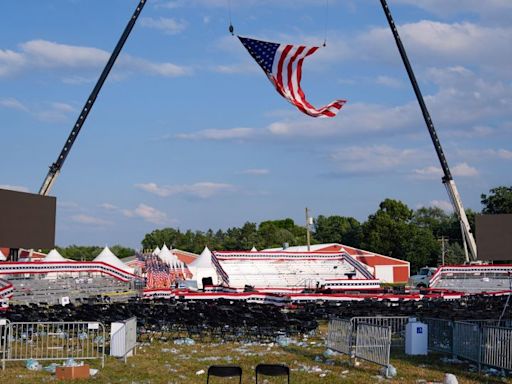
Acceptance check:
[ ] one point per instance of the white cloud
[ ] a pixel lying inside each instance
(443, 204)
(168, 25)
(55, 112)
(388, 81)
(430, 172)
(373, 159)
(89, 220)
(147, 213)
(464, 170)
(488, 8)
(255, 171)
(109, 207)
(433, 43)
(36, 54)
(202, 189)
(482, 154)
(19, 188)
(218, 134)
(43, 53)
(10, 62)
(433, 172)
(13, 103)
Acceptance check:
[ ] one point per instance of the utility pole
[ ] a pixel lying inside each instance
(309, 221)
(443, 249)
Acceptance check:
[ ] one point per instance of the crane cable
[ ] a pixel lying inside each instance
(231, 29)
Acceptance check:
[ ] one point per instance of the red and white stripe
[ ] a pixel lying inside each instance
(286, 77)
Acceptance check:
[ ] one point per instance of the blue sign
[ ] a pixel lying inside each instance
(419, 330)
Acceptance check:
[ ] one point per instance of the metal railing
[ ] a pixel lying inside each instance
(4, 326)
(440, 335)
(467, 340)
(53, 341)
(396, 323)
(496, 348)
(373, 343)
(475, 340)
(339, 336)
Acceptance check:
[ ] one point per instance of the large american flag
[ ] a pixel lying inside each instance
(282, 63)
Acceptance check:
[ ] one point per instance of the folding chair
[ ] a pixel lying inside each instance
(272, 370)
(224, 371)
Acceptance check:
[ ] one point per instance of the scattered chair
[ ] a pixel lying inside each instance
(224, 371)
(272, 370)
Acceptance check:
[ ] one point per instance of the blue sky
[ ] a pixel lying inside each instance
(187, 131)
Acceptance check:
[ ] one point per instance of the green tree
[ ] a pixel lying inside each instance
(338, 229)
(391, 231)
(498, 201)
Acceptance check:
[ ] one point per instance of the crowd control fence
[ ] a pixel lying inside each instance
(52, 341)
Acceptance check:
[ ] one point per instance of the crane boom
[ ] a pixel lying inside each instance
(447, 179)
(57, 165)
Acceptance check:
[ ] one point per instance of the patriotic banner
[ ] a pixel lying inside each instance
(282, 63)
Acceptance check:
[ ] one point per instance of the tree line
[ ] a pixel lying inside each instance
(393, 229)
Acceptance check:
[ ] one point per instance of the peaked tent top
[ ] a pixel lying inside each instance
(2, 256)
(156, 251)
(107, 256)
(54, 255)
(204, 260)
(167, 256)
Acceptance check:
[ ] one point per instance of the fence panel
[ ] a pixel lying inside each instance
(440, 335)
(55, 341)
(373, 343)
(467, 340)
(4, 336)
(339, 336)
(497, 347)
(396, 323)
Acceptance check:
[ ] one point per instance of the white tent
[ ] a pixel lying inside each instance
(2, 256)
(167, 256)
(108, 257)
(54, 255)
(203, 267)
(156, 251)
(253, 249)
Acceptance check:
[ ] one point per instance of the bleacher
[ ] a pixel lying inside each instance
(284, 269)
(473, 278)
(40, 290)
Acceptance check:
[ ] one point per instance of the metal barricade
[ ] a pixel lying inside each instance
(440, 335)
(54, 341)
(467, 341)
(339, 336)
(373, 343)
(4, 336)
(396, 323)
(497, 347)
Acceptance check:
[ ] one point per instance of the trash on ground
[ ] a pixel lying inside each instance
(33, 365)
(184, 341)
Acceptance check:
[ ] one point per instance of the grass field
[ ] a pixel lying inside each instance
(162, 361)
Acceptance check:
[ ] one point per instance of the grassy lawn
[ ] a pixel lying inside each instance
(162, 361)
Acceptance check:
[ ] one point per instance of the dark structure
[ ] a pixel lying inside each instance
(494, 237)
(27, 220)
